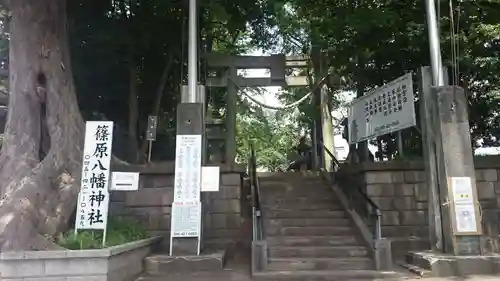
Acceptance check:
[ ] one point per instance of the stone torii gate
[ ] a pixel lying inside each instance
(278, 65)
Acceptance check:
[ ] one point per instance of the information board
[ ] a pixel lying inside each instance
(186, 219)
(384, 110)
(463, 201)
(187, 182)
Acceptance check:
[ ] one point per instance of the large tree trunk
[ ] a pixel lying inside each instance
(40, 182)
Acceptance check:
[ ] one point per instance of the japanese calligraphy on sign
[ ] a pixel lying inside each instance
(384, 110)
(187, 182)
(93, 199)
(186, 219)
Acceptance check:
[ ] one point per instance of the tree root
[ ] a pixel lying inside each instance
(38, 207)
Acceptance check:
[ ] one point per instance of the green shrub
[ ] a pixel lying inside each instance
(120, 231)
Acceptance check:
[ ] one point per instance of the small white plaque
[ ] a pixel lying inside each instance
(210, 178)
(465, 216)
(122, 181)
(186, 219)
(462, 190)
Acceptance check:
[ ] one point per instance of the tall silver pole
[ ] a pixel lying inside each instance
(192, 52)
(434, 45)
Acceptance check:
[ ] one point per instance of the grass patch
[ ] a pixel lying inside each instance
(120, 231)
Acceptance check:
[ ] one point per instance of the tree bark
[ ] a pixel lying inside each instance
(40, 189)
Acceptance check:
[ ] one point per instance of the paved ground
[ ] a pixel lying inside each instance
(238, 269)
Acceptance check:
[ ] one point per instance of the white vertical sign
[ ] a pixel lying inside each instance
(93, 199)
(186, 208)
(187, 182)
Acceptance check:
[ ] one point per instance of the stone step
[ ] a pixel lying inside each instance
(327, 275)
(294, 188)
(305, 207)
(318, 252)
(306, 214)
(298, 264)
(160, 264)
(310, 231)
(309, 222)
(299, 200)
(306, 241)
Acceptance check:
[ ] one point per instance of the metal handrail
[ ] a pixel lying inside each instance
(257, 225)
(376, 213)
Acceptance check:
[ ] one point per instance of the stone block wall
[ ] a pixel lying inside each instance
(400, 191)
(152, 204)
(118, 263)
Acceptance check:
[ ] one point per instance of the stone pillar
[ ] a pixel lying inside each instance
(187, 182)
(461, 218)
(232, 91)
(327, 125)
(429, 150)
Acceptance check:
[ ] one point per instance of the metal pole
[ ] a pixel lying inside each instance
(149, 151)
(434, 44)
(193, 52)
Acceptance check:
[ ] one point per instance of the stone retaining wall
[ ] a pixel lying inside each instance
(152, 204)
(399, 189)
(118, 263)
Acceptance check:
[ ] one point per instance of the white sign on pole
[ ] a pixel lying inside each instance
(122, 181)
(186, 219)
(210, 177)
(93, 199)
(187, 182)
(384, 110)
(463, 199)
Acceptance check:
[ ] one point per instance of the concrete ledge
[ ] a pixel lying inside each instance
(162, 264)
(441, 265)
(400, 246)
(118, 263)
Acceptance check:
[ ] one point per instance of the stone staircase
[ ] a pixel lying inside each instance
(309, 235)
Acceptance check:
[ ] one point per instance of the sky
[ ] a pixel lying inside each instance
(270, 97)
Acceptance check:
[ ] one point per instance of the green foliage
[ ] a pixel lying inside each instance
(120, 231)
(372, 42)
(366, 43)
(273, 138)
